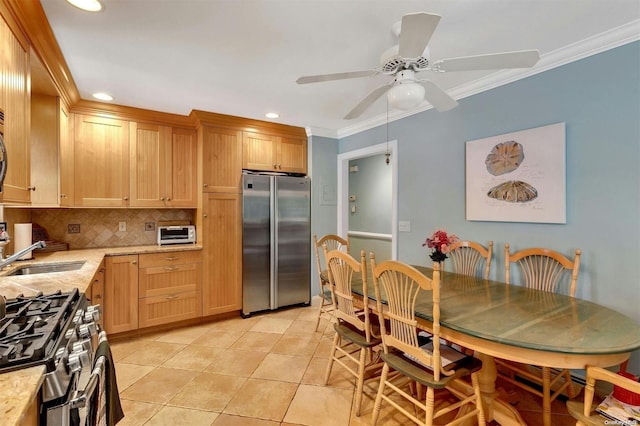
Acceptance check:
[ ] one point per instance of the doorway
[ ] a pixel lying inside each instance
(346, 207)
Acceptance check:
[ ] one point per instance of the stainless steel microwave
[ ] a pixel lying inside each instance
(182, 234)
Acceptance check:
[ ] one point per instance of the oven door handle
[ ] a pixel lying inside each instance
(92, 385)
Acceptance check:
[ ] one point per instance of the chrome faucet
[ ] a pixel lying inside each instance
(9, 260)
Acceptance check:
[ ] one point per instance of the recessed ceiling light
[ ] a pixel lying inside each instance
(103, 96)
(88, 5)
(272, 115)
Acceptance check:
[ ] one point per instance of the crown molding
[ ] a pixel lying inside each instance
(599, 43)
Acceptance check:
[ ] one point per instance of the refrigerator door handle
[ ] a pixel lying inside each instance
(273, 225)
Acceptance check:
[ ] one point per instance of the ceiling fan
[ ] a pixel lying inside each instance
(411, 56)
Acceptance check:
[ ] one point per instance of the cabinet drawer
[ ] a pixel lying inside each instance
(169, 258)
(169, 308)
(163, 280)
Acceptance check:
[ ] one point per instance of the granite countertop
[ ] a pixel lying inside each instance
(18, 389)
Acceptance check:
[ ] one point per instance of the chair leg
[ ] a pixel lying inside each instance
(331, 358)
(378, 402)
(546, 396)
(571, 391)
(429, 406)
(476, 390)
(320, 310)
(360, 381)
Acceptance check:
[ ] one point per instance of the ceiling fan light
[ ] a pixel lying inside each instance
(405, 96)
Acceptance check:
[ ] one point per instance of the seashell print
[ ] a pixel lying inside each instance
(513, 191)
(505, 157)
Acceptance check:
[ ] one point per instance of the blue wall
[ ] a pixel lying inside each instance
(599, 100)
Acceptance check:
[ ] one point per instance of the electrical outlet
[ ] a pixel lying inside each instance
(73, 228)
(122, 226)
(149, 226)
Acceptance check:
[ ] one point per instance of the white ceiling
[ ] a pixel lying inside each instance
(242, 57)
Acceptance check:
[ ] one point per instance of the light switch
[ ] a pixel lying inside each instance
(404, 226)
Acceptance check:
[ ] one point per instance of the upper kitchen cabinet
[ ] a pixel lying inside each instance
(66, 152)
(44, 150)
(101, 161)
(184, 168)
(221, 159)
(274, 153)
(163, 166)
(15, 103)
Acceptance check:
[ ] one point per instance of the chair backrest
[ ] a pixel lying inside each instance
(542, 268)
(401, 284)
(333, 242)
(467, 257)
(340, 267)
(597, 373)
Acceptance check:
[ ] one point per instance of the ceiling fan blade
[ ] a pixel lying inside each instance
(415, 33)
(437, 97)
(337, 76)
(366, 102)
(519, 59)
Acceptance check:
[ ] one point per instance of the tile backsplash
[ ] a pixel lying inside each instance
(98, 227)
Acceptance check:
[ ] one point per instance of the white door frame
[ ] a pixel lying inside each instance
(343, 187)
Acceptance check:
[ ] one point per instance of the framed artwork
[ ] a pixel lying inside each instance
(517, 177)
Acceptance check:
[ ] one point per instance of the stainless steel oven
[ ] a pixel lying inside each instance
(60, 331)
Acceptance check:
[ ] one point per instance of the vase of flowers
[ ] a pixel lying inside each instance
(440, 242)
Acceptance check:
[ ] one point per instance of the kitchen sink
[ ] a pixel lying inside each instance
(46, 268)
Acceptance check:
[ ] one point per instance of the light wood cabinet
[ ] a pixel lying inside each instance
(95, 293)
(184, 169)
(121, 294)
(274, 153)
(169, 287)
(44, 150)
(15, 102)
(162, 166)
(222, 253)
(101, 161)
(65, 150)
(221, 159)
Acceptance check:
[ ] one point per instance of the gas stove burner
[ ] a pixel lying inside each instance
(34, 326)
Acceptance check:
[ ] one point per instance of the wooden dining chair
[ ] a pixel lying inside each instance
(541, 269)
(333, 242)
(471, 258)
(401, 285)
(354, 334)
(585, 411)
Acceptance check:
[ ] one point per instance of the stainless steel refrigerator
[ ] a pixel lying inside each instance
(276, 242)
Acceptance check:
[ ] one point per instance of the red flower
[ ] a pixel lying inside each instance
(440, 242)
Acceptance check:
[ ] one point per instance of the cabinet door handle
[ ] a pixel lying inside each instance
(171, 258)
(171, 268)
(171, 297)
(275, 166)
(98, 296)
(134, 262)
(161, 198)
(206, 185)
(168, 198)
(31, 188)
(205, 215)
(126, 198)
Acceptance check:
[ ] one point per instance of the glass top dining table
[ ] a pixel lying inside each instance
(523, 325)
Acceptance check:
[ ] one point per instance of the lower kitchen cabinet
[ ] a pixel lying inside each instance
(169, 287)
(121, 294)
(222, 252)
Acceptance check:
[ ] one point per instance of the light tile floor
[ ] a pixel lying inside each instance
(265, 370)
